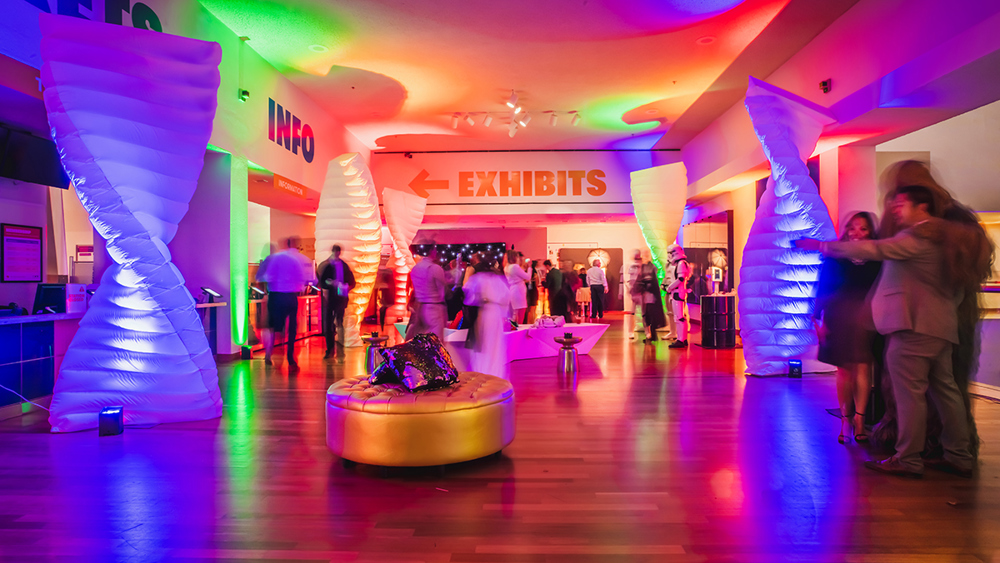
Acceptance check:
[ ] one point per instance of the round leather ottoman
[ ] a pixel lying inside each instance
(387, 426)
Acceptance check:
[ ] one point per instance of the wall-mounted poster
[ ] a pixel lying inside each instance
(21, 253)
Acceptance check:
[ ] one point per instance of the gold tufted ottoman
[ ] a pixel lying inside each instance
(383, 425)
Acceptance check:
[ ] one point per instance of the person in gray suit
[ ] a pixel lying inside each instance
(917, 310)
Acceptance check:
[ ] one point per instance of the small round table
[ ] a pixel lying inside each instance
(371, 352)
(567, 354)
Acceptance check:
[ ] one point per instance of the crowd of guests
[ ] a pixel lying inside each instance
(901, 298)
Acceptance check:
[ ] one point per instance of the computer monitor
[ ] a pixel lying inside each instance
(49, 297)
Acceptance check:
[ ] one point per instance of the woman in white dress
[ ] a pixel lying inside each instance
(487, 289)
(517, 278)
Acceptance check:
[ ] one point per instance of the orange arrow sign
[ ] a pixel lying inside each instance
(421, 184)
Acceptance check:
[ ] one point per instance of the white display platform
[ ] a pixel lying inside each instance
(527, 342)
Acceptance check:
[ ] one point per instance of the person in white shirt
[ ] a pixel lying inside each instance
(598, 283)
(429, 284)
(488, 292)
(517, 279)
(287, 273)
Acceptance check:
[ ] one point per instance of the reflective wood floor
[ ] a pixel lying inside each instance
(654, 455)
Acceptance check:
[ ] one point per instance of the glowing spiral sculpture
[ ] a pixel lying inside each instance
(131, 113)
(348, 215)
(777, 287)
(658, 197)
(403, 214)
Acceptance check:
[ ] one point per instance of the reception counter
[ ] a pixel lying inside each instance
(32, 351)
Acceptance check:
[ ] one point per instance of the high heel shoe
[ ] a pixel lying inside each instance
(842, 438)
(860, 437)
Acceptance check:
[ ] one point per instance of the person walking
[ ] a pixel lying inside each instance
(554, 288)
(287, 273)
(598, 282)
(336, 280)
(629, 276)
(517, 279)
(845, 340)
(916, 309)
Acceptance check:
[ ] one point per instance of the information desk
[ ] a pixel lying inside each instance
(31, 349)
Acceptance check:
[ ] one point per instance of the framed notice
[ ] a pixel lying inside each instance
(20, 253)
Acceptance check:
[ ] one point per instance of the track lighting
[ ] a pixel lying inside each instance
(454, 121)
(512, 101)
(553, 119)
(487, 120)
(576, 119)
(512, 129)
(523, 120)
(468, 119)
(517, 110)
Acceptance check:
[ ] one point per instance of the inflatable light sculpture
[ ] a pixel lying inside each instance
(348, 215)
(777, 281)
(403, 214)
(658, 197)
(131, 113)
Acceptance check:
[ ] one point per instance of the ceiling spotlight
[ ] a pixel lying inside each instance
(512, 101)
(552, 119)
(468, 119)
(512, 129)
(523, 120)
(576, 119)
(487, 120)
(454, 121)
(517, 110)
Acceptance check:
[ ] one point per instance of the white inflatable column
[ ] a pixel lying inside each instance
(403, 214)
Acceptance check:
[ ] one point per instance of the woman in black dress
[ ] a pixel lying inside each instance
(844, 327)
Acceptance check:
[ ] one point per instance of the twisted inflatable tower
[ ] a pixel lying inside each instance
(131, 113)
(777, 281)
(348, 215)
(658, 197)
(403, 214)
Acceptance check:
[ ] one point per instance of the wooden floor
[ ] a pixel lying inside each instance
(654, 455)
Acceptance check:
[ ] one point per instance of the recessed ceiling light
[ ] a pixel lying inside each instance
(319, 48)
(705, 40)
(652, 111)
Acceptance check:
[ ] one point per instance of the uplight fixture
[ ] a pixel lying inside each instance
(512, 101)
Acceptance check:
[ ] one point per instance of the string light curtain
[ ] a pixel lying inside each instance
(131, 113)
(777, 281)
(404, 212)
(348, 215)
(658, 198)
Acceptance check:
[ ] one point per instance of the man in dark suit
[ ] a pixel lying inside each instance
(917, 311)
(336, 280)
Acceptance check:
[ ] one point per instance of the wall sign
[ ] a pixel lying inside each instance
(287, 186)
(21, 254)
(287, 130)
(114, 12)
(528, 182)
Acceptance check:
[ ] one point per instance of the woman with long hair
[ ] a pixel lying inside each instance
(517, 279)
(846, 334)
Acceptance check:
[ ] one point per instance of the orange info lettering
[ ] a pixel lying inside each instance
(540, 183)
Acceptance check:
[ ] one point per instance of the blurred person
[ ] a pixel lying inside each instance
(845, 340)
(429, 286)
(336, 280)
(554, 288)
(629, 276)
(517, 279)
(263, 319)
(677, 293)
(598, 282)
(487, 292)
(583, 295)
(287, 274)
(385, 292)
(455, 296)
(646, 294)
(533, 284)
(915, 304)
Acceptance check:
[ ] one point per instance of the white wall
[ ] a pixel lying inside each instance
(964, 153)
(626, 236)
(258, 231)
(23, 204)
